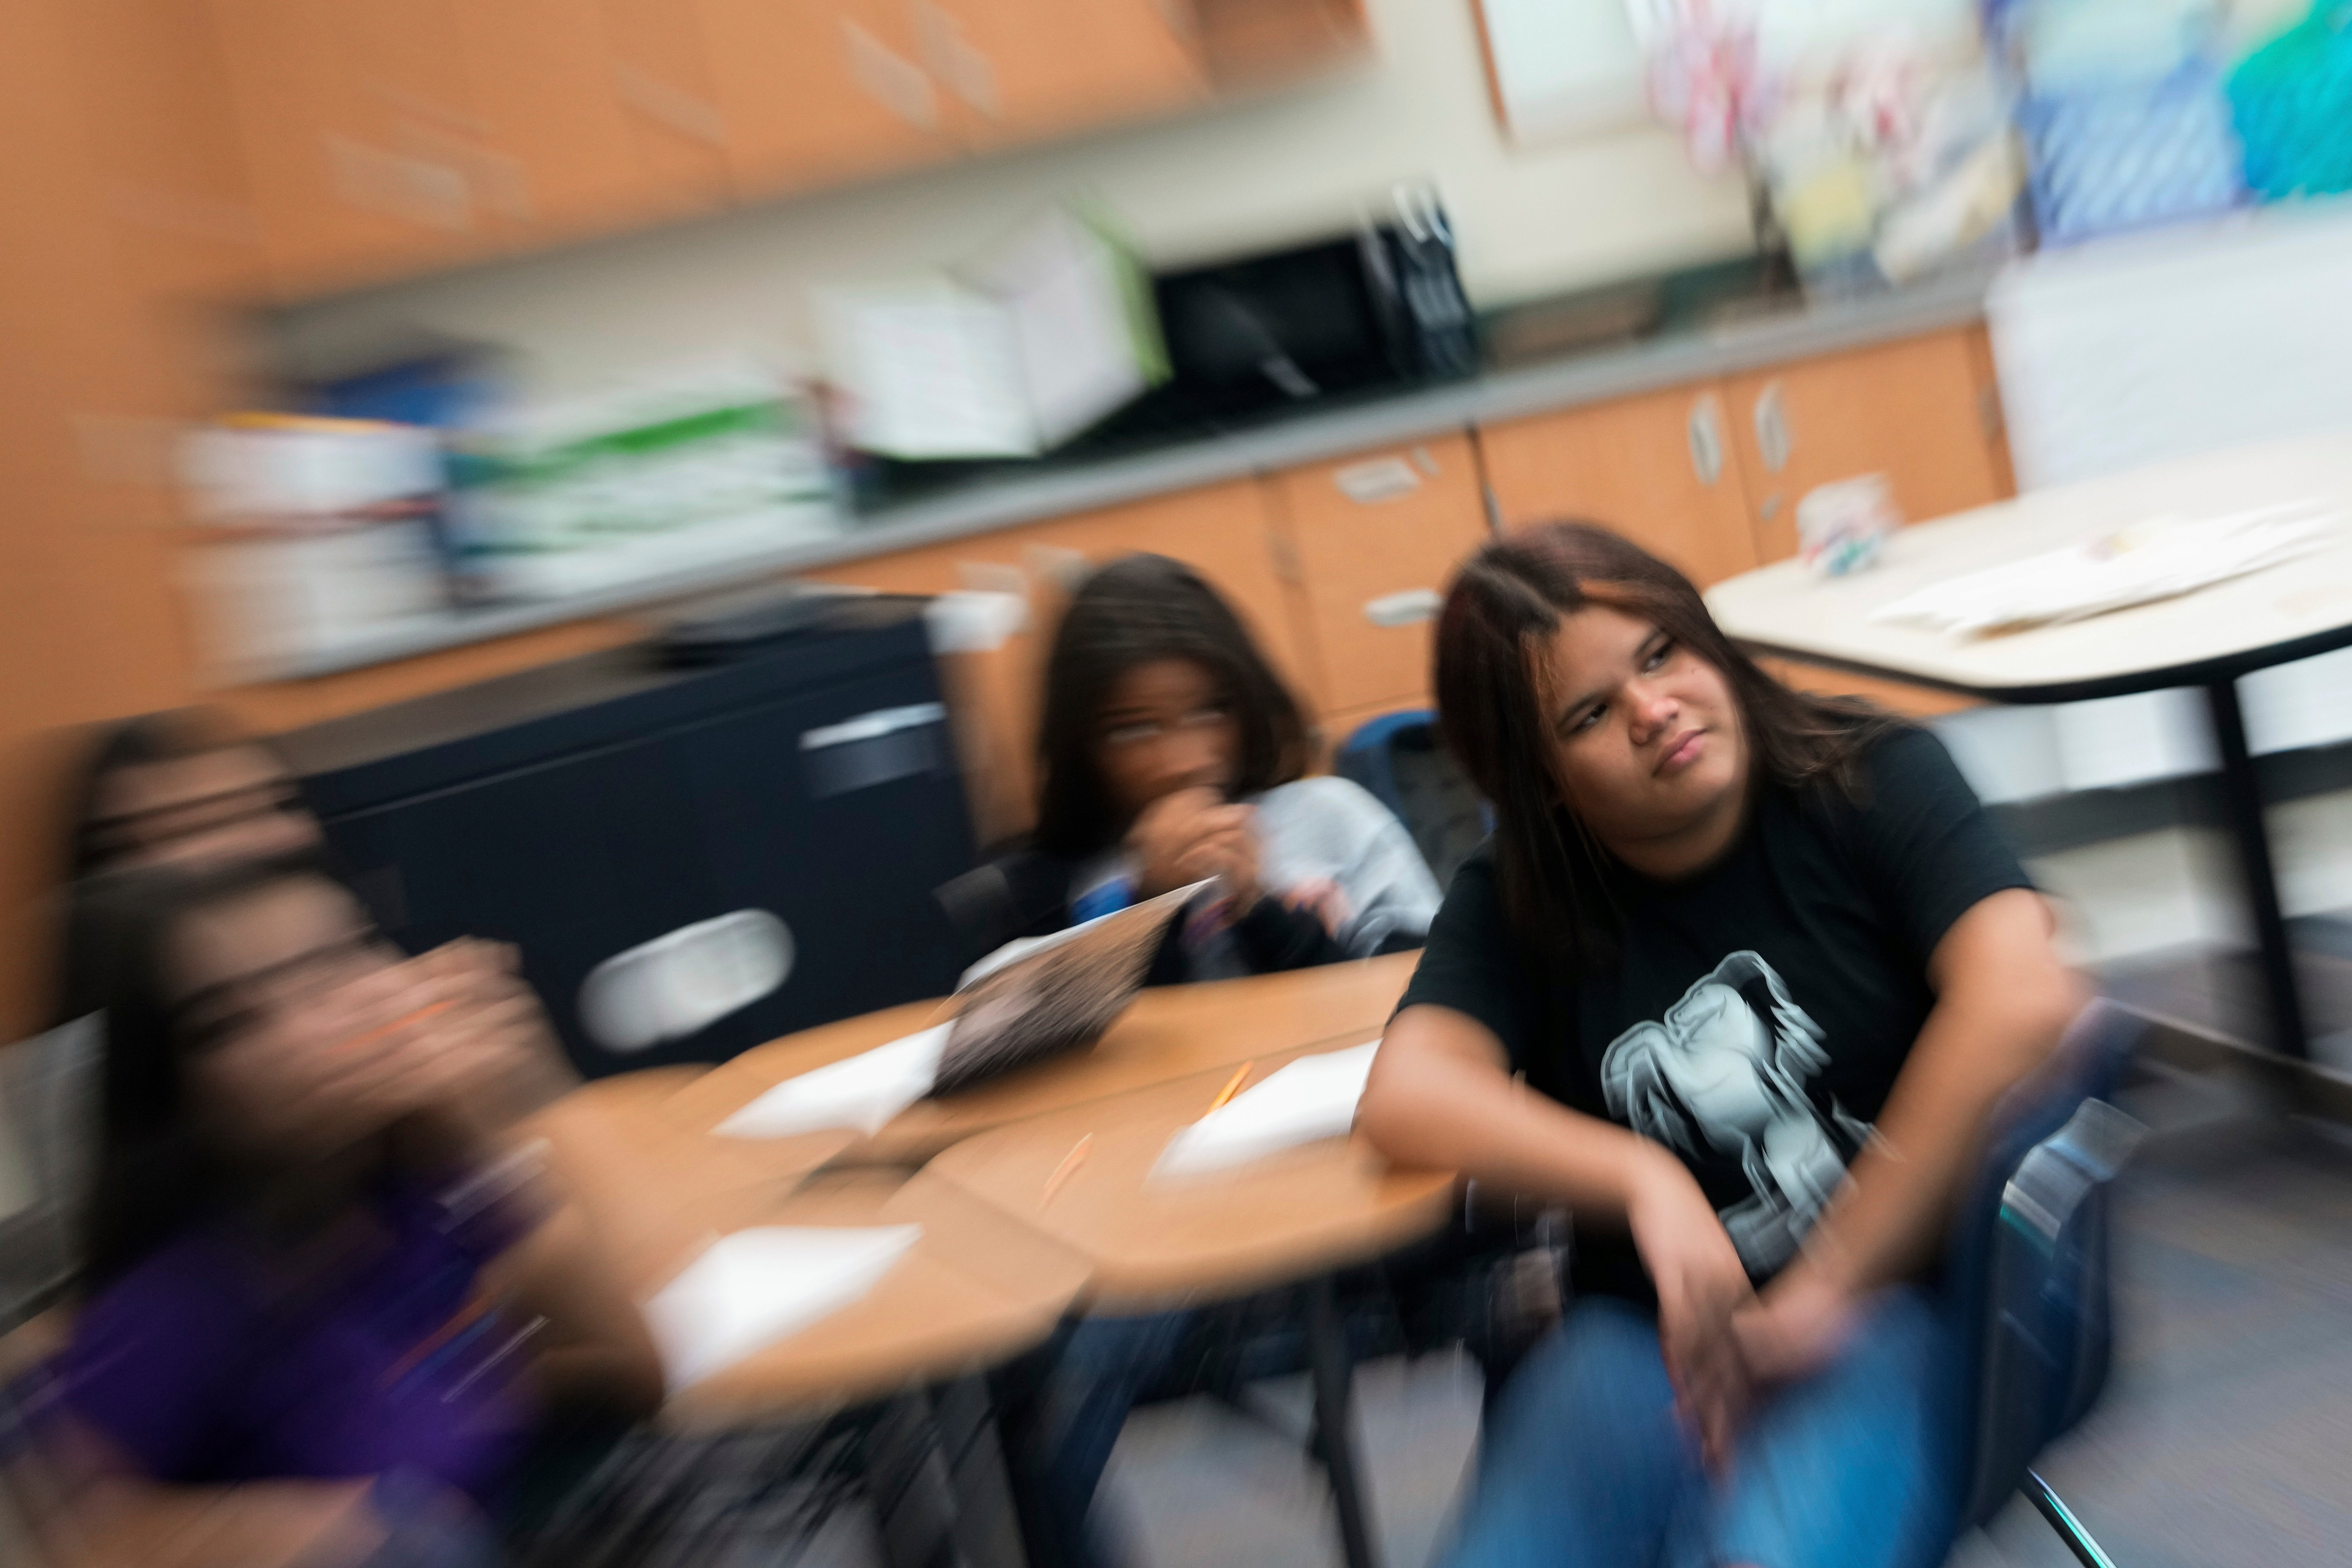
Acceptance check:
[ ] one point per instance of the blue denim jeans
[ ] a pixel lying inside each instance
(1585, 1465)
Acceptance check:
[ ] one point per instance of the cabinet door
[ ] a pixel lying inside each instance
(1913, 411)
(661, 68)
(814, 92)
(1375, 540)
(164, 139)
(358, 136)
(1016, 69)
(543, 78)
(1656, 468)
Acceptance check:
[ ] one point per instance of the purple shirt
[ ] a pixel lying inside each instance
(201, 1373)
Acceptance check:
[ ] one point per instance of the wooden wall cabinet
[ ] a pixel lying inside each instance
(1015, 71)
(564, 155)
(1708, 476)
(1657, 467)
(1369, 543)
(385, 140)
(815, 92)
(360, 134)
(1914, 410)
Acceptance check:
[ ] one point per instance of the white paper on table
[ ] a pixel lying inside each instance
(863, 1091)
(2154, 560)
(1312, 1098)
(750, 1289)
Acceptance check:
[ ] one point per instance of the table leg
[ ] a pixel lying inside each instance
(1332, 1364)
(909, 1487)
(2242, 800)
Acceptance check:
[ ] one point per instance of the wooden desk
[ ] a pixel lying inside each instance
(2207, 639)
(1170, 1032)
(1276, 1221)
(977, 1288)
(1292, 1218)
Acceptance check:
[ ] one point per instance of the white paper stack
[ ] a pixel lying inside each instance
(1312, 1098)
(2158, 559)
(863, 1091)
(756, 1286)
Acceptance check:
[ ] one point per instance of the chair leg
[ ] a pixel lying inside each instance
(2062, 1520)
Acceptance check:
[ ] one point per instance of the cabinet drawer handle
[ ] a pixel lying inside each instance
(1409, 609)
(1376, 480)
(1773, 439)
(1707, 440)
(954, 61)
(889, 78)
(668, 105)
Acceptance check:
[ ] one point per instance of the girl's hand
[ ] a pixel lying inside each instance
(1227, 850)
(1190, 835)
(1796, 1328)
(1701, 1285)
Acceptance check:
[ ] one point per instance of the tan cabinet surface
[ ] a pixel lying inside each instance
(162, 134)
(1657, 467)
(1013, 71)
(661, 68)
(561, 154)
(360, 137)
(1374, 539)
(1914, 410)
(819, 91)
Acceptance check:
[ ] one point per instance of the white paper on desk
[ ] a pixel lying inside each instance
(1312, 1098)
(863, 1091)
(2158, 559)
(752, 1289)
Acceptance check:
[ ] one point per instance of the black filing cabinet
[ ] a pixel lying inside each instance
(583, 808)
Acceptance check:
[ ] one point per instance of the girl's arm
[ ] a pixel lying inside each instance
(596, 1357)
(2003, 1000)
(1441, 1095)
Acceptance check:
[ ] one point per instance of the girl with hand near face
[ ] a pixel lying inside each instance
(1769, 968)
(1172, 754)
(332, 1307)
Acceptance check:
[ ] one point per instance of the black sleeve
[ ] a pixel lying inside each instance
(1273, 937)
(1470, 965)
(1925, 842)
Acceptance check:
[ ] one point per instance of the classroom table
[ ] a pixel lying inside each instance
(1168, 1032)
(1081, 1175)
(975, 1289)
(2207, 639)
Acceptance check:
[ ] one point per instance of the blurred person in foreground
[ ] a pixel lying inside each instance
(1173, 754)
(186, 788)
(333, 1313)
(1768, 967)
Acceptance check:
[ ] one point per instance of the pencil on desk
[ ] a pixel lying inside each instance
(1062, 1173)
(1232, 1087)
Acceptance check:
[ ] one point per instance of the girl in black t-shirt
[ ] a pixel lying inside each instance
(1769, 969)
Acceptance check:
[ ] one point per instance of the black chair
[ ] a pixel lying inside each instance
(2027, 1268)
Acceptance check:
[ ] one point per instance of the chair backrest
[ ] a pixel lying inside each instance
(1400, 759)
(2027, 1268)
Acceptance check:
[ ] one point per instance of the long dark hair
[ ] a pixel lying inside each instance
(173, 735)
(169, 736)
(1503, 605)
(153, 1175)
(1134, 611)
